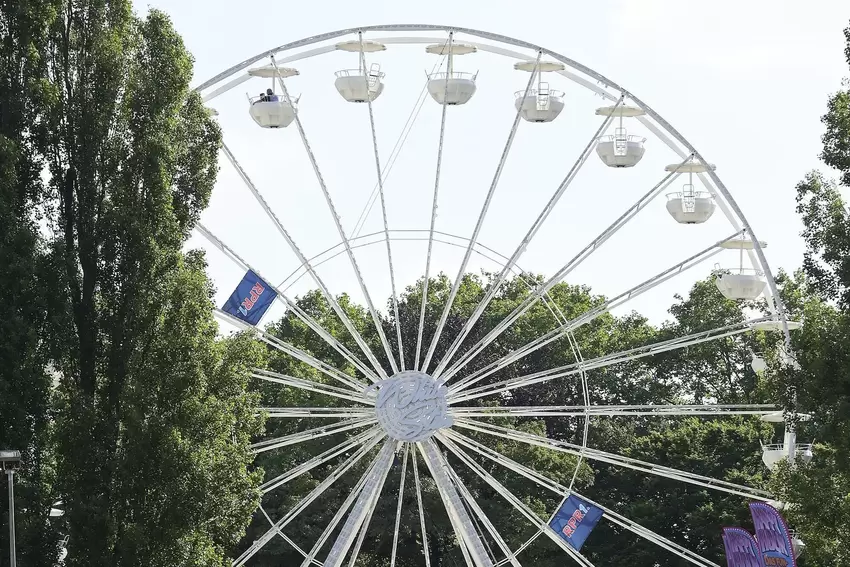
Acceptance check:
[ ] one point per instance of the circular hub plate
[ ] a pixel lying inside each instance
(410, 406)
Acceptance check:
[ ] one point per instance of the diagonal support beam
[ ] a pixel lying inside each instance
(379, 327)
(364, 505)
(281, 296)
(310, 434)
(480, 223)
(520, 250)
(605, 361)
(561, 490)
(304, 502)
(614, 459)
(567, 328)
(464, 529)
(512, 499)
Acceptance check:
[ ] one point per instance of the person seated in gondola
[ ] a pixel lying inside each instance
(270, 96)
(261, 98)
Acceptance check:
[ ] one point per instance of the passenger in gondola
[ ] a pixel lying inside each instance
(270, 96)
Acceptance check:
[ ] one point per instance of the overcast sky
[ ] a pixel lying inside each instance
(745, 82)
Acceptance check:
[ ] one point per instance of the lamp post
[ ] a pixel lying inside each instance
(10, 462)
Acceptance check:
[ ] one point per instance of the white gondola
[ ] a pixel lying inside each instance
(361, 84)
(621, 149)
(743, 283)
(541, 104)
(690, 206)
(279, 112)
(272, 114)
(451, 87)
(773, 454)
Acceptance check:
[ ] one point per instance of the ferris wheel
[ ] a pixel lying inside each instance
(408, 401)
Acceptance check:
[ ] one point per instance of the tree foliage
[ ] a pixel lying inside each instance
(107, 159)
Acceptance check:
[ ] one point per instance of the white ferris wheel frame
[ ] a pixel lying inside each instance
(462, 508)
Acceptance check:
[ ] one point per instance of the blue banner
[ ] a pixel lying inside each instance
(773, 537)
(251, 299)
(575, 520)
(741, 548)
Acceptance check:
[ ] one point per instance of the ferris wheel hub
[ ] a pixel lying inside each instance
(411, 406)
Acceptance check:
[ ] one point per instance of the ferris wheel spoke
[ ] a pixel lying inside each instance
(659, 410)
(383, 213)
(293, 351)
(585, 392)
(332, 208)
(476, 509)
(590, 315)
(607, 360)
(425, 281)
(512, 499)
(478, 225)
(304, 502)
(520, 250)
(400, 503)
(309, 385)
(544, 288)
(314, 413)
(463, 527)
(615, 459)
(310, 434)
(319, 459)
(285, 537)
(337, 308)
(563, 491)
(372, 483)
(421, 510)
(300, 313)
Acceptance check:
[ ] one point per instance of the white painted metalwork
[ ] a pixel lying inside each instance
(476, 231)
(523, 246)
(294, 247)
(425, 281)
(421, 509)
(411, 406)
(464, 528)
(405, 406)
(373, 88)
(362, 507)
(400, 502)
(378, 326)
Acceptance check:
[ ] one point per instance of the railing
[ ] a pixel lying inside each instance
(749, 271)
(534, 93)
(630, 138)
(259, 98)
(694, 195)
(454, 75)
(801, 447)
(359, 73)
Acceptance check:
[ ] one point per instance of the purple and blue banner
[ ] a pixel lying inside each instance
(251, 299)
(574, 521)
(741, 548)
(773, 537)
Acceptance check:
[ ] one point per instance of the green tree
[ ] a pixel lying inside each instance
(820, 296)
(153, 417)
(25, 383)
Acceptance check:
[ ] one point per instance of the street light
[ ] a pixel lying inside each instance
(10, 462)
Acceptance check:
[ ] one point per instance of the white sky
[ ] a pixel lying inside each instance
(746, 82)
